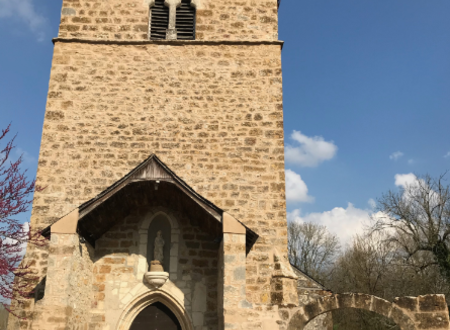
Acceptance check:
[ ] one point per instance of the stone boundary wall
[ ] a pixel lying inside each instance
(410, 313)
(309, 290)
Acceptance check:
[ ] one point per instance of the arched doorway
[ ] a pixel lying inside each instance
(156, 317)
(172, 307)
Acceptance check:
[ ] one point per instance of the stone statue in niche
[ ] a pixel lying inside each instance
(159, 241)
(159, 247)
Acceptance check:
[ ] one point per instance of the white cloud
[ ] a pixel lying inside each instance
(416, 185)
(447, 155)
(372, 203)
(311, 152)
(19, 251)
(396, 155)
(296, 188)
(23, 246)
(404, 180)
(411, 161)
(26, 157)
(26, 229)
(344, 223)
(25, 11)
(294, 216)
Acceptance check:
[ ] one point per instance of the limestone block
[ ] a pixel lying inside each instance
(197, 319)
(199, 298)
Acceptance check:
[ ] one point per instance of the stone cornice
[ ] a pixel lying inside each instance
(170, 42)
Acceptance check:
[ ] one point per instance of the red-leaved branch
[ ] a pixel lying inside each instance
(16, 192)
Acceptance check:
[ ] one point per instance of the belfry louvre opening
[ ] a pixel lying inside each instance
(185, 22)
(159, 21)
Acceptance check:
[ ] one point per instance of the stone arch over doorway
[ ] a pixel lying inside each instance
(155, 317)
(135, 307)
(327, 304)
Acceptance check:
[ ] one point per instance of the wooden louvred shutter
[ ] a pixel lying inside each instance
(159, 20)
(185, 23)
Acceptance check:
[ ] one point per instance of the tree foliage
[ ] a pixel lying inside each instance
(405, 252)
(376, 265)
(15, 198)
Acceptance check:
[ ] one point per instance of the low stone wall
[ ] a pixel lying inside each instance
(409, 313)
(430, 311)
(309, 290)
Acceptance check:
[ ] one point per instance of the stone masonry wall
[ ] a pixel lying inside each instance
(308, 291)
(409, 313)
(119, 270)
(238, 312)
(37, 258)
(428, 312)
(68, 287)
(128, 20)
(211, 113)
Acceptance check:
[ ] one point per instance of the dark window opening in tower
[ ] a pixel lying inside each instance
(159, 21)
(185, 22)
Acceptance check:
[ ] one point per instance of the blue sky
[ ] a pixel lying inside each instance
(366, 96)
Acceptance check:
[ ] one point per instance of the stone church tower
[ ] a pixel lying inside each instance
(162, 159)
(163, 116)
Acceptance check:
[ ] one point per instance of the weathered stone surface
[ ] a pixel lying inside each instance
(346, 300)
(408, 303)
(68, 11)
(128, 20)
(432, 303)
(432, 320)
(381, 306)
(196, 121)
(403, 311)
(363, 301)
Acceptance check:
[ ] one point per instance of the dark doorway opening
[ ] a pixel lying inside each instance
(156, 317)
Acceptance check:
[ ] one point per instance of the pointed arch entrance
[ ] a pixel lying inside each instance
(151, 304)
(155, 317)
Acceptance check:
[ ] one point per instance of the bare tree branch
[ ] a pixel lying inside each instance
(312, 248)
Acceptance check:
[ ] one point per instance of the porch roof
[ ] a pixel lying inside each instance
(149, 176)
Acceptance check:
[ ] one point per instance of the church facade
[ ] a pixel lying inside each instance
(162, 158)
